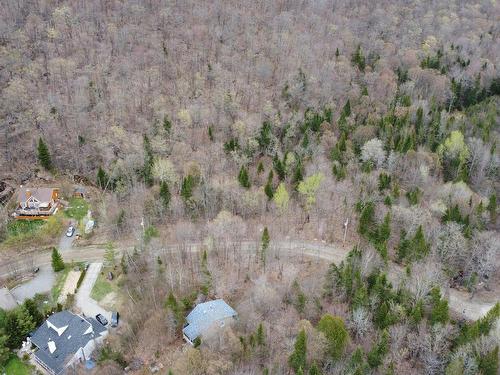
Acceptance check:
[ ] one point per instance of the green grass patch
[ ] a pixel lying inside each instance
(77, 208)
(15, 366)
(102, 288)
(21, 233)
(61, 277)
(22, 230)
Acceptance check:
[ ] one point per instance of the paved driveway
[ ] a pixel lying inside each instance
(84, 302)
(41, 283)
(65, 243)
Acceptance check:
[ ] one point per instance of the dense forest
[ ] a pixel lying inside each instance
(368, 125)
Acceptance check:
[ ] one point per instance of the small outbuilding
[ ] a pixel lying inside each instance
(79, 191)
(206, 316)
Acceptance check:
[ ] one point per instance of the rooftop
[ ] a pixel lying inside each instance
(61, 336)
(42, 194)
(204, 315)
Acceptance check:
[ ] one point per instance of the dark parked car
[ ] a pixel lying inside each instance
(101, 319)
(115, 316)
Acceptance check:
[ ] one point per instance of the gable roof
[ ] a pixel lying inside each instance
(204, 315)
(60, 337)
(41, 194)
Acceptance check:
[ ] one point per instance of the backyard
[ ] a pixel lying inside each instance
(77, 208)
(15, 366)
(102, 287)
(30, 232)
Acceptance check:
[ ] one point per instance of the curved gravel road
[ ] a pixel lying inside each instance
(459, 302)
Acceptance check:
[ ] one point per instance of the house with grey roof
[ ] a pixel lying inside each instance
(205, 316)
(65, 339)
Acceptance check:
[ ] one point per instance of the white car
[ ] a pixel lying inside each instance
(70, 231)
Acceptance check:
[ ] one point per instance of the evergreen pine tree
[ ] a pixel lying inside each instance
(358, 59)
(403, 246)
(44, 155)
(366, 220)
(279, 167)
(419, 246)
(260, 336)
(488, 363)
(314, 370)
(297, 359)
(165, 194)
(4, 350)
(57, 261)
(33, 311)
(211, 134)
(124, 265)
(492, 207)
(147, 170)
(439, 308)
(337, 53)
(167, 125)
(243, 178)
(268, 189)
(102, 178)
(187, 187)
(260, 167)
(384, 231)
(417, 313)
(265, 240)
(379, 350)
(12, 330)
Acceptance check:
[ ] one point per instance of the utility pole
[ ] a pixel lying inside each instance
(345, 231)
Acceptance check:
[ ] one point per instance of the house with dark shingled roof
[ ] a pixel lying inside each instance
(65, 339)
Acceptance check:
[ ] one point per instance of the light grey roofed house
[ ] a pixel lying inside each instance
(65, 338)
(204, 316)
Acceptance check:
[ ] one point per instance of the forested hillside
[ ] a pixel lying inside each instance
(372, 125)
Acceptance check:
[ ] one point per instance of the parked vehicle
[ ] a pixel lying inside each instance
(36, 269)
(101, 319)
(70, 231)
(115, 316)
(110, 276)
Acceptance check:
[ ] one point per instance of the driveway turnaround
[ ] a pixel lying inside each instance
(41, 283)
(84, 302)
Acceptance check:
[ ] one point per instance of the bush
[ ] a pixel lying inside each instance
(336, 333)
(80, 279)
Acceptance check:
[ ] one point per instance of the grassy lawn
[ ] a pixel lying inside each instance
(30, 232)
(60, 280)
(102, 287)
(21, 230)
(16, 367)
(77, 208)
